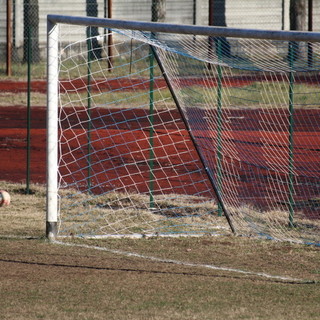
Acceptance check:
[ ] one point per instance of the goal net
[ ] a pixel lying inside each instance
(154, 133)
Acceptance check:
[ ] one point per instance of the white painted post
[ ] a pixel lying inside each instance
(52, 130)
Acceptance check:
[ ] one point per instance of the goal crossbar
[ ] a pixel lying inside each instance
(187, 29)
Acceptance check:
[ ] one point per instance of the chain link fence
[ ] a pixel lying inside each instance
(23, 34)
(23, 22)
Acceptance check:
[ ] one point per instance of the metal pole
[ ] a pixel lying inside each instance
(291, 132)
(310, 15)
(90, 52)
(310, 28)
(209, 174)
(52, 130)
(210, 22)
(110, 40)
(9, 38)
(210, 40)
(151, 133)
(219, 126)
(188, 29)
(194, 13)
(29, 62)
(105, 8)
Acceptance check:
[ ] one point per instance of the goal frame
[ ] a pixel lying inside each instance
(53, 22)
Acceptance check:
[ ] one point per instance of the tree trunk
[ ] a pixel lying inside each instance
(158, 10)
(92, 32)
(217, 17)
(31, 30)
(298, 15)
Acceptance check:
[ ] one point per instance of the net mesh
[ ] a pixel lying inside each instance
(159, 124)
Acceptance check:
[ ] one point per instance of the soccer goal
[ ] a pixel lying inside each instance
(182, 130)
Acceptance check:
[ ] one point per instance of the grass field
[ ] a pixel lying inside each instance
(42, 280)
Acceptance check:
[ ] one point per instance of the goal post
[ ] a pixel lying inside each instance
(52, 130)
(183, 136)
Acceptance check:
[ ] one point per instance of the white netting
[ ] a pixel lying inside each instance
(129, 165)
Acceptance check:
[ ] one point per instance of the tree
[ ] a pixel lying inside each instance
(298, 14)
(217, 17)
(92, 32)
(31, 31)
(158, 10)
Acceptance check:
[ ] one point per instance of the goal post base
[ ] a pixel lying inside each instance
(51, 230)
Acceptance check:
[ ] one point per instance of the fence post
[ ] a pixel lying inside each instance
(29, 62)
(219, 125)
(9, 38)
(292, 54)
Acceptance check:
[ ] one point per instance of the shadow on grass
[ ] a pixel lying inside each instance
(60, 265)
